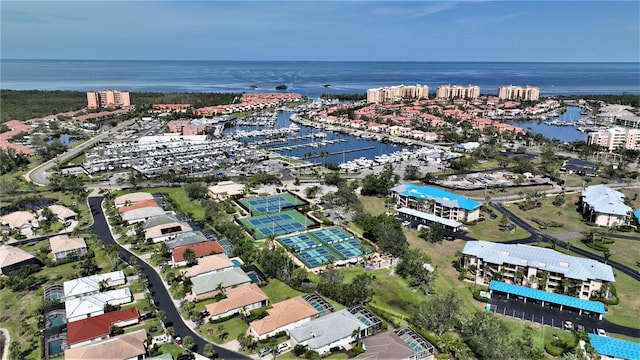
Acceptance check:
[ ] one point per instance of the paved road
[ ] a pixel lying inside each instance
(7, 342)
(158, 290)
(546, 237)
(39, 175)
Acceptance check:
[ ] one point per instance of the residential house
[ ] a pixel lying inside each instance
(208, 285)
(63, 213)
(63, 246)
(200, 249)
(166, 231)
(92, 305)
(13, 258)
(334, 330)
(92, 284)
(536, 267)
(208, 264)
(140, 215)
(604, 206)
(20, 220)
(97, 328)
(243, 298)
(187, 238)
(131, 198)
(580, 167)
(138, 205)
(129, 346)
(283, 316)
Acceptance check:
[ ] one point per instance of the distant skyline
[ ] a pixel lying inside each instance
(468, 31)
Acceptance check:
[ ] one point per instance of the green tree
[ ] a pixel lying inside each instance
(411, 172)
(416, 267)
(439, 313)
(189, 255)
(188, 343)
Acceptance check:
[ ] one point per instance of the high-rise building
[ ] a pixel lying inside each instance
(615, 138)
(397, 93)
(458, 92)
(108, 99)
(510, 92)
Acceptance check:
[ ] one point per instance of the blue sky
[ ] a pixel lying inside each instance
(588, 31)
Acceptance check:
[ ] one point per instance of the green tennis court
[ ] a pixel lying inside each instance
(272, 203)
(280, 223)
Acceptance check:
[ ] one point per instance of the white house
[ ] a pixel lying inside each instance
(337, 329)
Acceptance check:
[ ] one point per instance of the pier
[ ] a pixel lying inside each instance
(344, 152)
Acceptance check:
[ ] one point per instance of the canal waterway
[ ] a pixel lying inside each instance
(345, 149)
(562, 133)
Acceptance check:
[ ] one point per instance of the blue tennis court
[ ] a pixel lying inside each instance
(314, 257)
(299, 242)
(332, 235)
(348, 249)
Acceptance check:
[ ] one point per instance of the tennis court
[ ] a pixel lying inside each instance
(272, 203)
(280, 223)
(332, 235)
(348, 249)
(314, 257)
(300, 242)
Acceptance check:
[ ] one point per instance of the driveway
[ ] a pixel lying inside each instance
(156, 286)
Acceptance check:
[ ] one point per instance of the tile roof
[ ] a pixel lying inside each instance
(208, 264)
(187, 238)
(62, 212)
(200, 249)
(10, 255)
(98, 326)
(441, 196)
(385, 346)
(238, 297)
(132, 198)
(544, 259)
(18, 219)
(327, 329)
(62, 243)
(125, 346)
(138, 205)
(605, 200)
(284, 313)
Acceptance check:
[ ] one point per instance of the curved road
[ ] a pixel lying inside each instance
(39, 175)
(158, 290)
(546, 237)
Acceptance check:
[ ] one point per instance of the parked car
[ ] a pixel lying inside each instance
(178, 340)
(264, 351)
(283, 347)
(568, 325)
(189, 356)
(601, 332)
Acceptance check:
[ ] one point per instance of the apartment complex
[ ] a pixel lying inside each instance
(615, 138)
(441, 203)
(510, 92)
(604, 206)
(535, 267)
(108, 99)
(457, 92)
(397, 93)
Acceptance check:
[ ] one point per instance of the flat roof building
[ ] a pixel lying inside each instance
(435, 201)
(108, 99)
(397, 93)
(510, 92)
(457, 92)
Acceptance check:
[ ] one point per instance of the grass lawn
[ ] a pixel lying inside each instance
(489, 230)
(172, 349)
(630, 195)
(626, 252)
(233, 327)
(566, 214)
(278, 291)
(373, 205)
(627, 312)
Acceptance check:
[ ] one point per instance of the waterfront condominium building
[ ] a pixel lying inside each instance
(537, 268)
(457, 92)
(603, 206)
(615, 138)
(510, 92)
(397, 93)
(108, 99)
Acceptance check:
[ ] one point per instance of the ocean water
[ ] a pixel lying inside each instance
(310, 78)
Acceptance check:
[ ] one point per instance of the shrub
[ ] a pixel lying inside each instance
(355, 351)
(553, 350)
(299, 350)
(476, 295)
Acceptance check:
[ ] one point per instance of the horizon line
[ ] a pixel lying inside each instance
(344, 61)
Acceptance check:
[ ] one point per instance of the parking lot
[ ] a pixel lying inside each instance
(552, 315)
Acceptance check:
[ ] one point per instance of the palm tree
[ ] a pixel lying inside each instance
(189, 256)
(607, 255)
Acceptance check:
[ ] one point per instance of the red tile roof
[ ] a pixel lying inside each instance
(97, 326)
(201, 249)
(138, 205)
